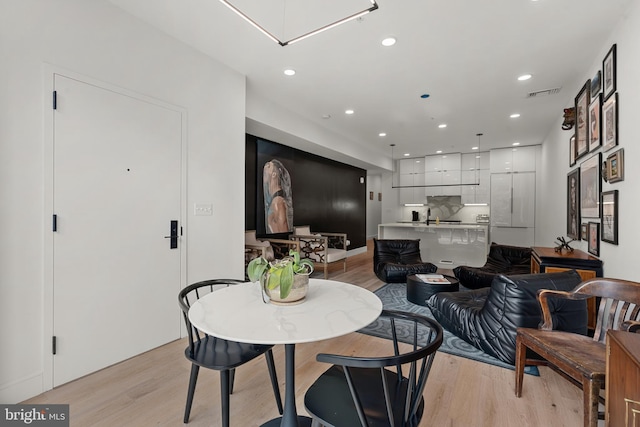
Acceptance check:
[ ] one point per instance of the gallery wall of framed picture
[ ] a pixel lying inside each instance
(595, 156)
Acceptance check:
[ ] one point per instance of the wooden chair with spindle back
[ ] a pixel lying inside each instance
(581, 359)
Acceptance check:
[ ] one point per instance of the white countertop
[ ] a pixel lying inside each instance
(330, 309)
(432, 224)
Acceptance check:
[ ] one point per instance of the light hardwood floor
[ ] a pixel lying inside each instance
(150, 389)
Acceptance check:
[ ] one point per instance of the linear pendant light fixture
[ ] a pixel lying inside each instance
(244, 16)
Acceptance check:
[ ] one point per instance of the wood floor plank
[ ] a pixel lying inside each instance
(150, 389)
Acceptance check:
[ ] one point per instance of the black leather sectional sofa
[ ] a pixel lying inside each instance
(502, 259)
(487, 318)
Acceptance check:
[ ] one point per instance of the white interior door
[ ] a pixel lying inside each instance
(117, 185)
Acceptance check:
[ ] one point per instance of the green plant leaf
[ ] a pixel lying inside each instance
(286, 281)
(296, 256)
(274, 279)
(256, 268)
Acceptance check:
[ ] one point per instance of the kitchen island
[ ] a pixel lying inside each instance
(445, 245)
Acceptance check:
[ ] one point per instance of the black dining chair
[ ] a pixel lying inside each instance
(378, 391)
(218, 354)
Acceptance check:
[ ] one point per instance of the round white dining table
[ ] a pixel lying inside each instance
(330, 309)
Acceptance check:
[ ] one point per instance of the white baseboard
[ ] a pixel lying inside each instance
(22, 389)
(356, 251)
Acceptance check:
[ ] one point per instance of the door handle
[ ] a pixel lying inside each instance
(173, 234)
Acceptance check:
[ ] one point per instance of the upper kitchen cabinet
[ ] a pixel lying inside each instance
(475, 170)
(411, 180)
(517, 159)
(442, 174)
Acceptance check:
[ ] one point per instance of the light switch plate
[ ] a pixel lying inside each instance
(203, 209)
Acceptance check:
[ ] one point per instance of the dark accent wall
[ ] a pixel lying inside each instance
(327, 195)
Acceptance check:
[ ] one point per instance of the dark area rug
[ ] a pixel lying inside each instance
(394, 297)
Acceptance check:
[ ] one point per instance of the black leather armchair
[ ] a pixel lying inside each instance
(488, 318)
(502, 259)
(395, 259)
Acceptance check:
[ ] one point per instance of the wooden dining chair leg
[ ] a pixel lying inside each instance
(591, 390)
(274, 382)
(521, 355)
(191, 391)
(225, 393)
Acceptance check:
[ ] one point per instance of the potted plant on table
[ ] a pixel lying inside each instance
(284, 280)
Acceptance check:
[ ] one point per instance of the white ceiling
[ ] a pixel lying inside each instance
(466, 54)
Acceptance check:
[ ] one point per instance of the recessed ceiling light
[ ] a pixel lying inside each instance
(525, 76)
(516, 143)
(407, 154)
(326, 116)
(289, 72)
(474, 148)
(382, 134)
(417, 161)
(442, 126)
(439, 151)
(515, 115)
(389, 41)
(349, 112)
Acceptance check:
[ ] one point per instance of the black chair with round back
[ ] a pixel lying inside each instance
(218, 354)
(395, 259)
(378, 391)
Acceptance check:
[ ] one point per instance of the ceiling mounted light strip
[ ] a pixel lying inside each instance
(373, 7)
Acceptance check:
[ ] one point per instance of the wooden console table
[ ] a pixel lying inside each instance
(547, 260)
(622, 378)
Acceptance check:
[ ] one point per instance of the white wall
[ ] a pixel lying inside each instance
(619, 261)
(100, 41)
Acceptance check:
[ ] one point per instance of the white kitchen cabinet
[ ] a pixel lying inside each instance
(476, 193)
(442, 174)
(513, 208)
(411, 178)
(517, 159)
(475, 169)
(513, 199)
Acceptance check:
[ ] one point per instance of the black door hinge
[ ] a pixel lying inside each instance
(55, 99)
(53, 345)
(54, 223)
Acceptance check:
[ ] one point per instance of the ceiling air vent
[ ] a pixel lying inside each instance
(545, 92)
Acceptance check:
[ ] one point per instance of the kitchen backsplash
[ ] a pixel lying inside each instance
(466, 214)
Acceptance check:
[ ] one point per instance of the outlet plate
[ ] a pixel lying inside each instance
(203, 209)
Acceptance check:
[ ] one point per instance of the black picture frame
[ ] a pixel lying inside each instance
(596, 84)
(609, 232)
(594, 238)
(595, 123)
(582, 120)
(573, 155)
(590, 184)
(573, 204)
(609, 73)
(610, 123)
